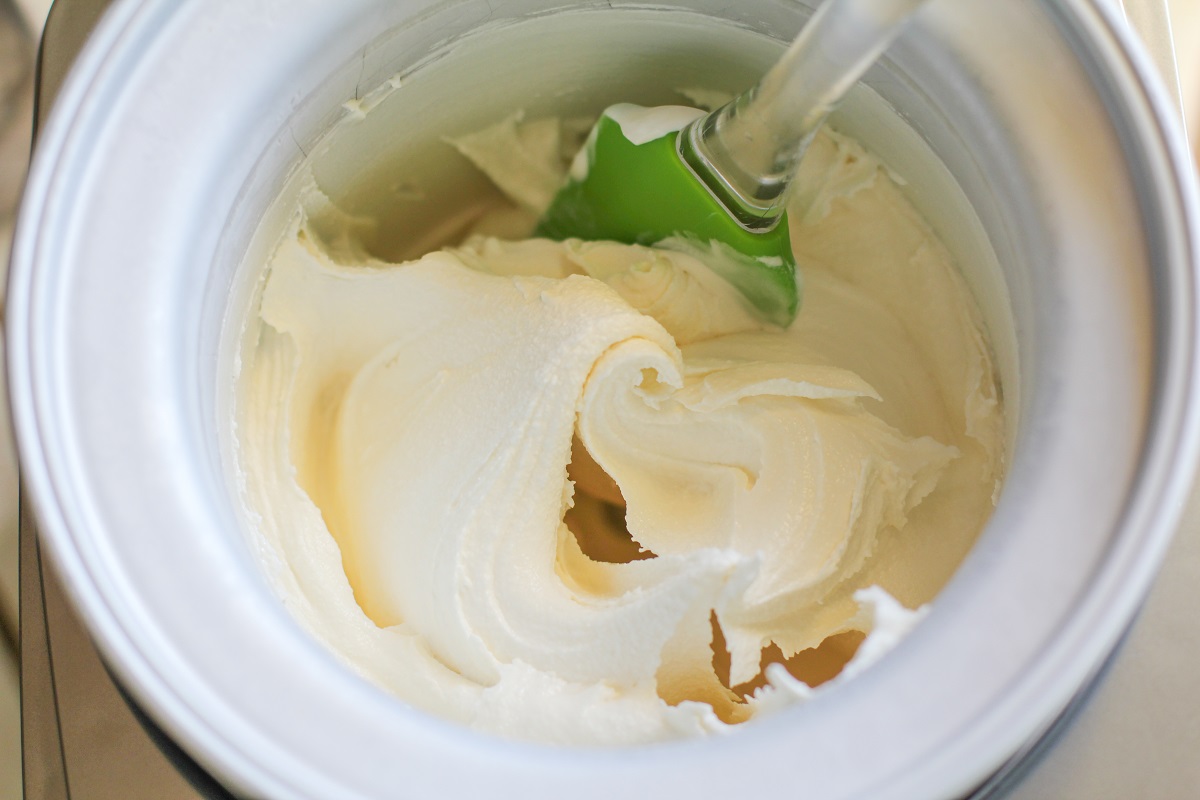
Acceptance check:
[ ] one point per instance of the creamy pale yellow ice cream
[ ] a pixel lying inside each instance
(576, 493)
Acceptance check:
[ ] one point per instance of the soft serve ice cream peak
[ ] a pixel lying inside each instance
(438, 453)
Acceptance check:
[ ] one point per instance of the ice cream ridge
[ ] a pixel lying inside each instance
(580, 493)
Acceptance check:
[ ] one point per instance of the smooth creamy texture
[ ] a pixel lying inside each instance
(406, 433)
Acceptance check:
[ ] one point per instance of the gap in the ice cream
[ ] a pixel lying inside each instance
(597, 521)
(814, 666)
(597, 518)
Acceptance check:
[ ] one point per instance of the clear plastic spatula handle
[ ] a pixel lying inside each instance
(748, 151)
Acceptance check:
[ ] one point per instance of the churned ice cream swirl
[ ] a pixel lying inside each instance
(576, 493)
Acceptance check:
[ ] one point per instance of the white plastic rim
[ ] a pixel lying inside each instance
(179, 121)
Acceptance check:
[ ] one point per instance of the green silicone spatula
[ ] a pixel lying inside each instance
(716, 185)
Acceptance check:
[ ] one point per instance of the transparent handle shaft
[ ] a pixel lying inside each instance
(748, 151)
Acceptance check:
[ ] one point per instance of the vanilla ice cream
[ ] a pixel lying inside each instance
(577, 492)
